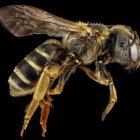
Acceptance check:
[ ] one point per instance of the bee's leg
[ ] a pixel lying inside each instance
(96, 75)
(46, 102)
(103, 77)
(54, 72)
(39, 94)
(45, 105)
(113, 96)
(62, 80)
(57, 90)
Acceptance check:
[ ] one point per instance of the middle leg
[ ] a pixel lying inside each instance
(103, 77)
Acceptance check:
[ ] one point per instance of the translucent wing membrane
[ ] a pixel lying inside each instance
(23, 20)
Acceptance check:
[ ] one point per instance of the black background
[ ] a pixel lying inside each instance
(77, 111)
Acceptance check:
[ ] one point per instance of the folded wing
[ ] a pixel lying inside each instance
(22, 20)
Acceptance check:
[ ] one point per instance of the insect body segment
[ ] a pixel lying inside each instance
(26, 74)
(52, 63)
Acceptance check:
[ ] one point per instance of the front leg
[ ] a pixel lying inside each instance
(113, 96)
(103, 77)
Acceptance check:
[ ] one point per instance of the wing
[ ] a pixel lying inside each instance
(22, 20)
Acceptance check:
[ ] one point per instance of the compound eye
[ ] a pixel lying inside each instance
(134, 52)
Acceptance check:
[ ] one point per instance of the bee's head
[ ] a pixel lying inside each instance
(124, 46)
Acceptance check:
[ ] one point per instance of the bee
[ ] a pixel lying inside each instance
(45, 71)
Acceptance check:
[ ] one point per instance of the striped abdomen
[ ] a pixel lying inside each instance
(26, 74)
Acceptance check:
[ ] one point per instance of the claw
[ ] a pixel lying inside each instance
(44, 130)
(103, 116)
(22, 132)
(44, 127)
(26, 121)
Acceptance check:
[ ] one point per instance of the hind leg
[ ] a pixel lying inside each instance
(45, 110)
(46, 102)
(45, 82)
(39, 94)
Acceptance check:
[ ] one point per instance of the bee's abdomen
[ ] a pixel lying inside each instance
(24, 77)
(26, 74)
